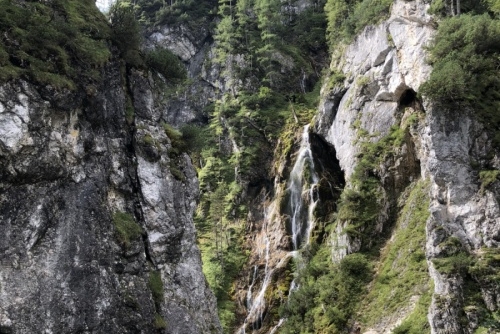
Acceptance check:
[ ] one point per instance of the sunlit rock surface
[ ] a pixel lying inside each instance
(383, 68)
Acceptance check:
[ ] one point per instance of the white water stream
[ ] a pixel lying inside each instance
(302, 222)
(301, 187)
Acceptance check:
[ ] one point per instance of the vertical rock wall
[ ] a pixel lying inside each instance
(384, 67)
(69, 162)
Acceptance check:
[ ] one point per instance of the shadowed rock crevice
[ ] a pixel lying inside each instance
(407, 98)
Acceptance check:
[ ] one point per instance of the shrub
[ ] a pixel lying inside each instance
(417, 322)
(328, 293)
(486, 267)
(494, 6)
(347, 18)
(192, 13)
(125, 32)
(166, 63)
(355, 265)
(126, 227)
(194, 138)
(464, 55)
(156, 286)
(159, 322)
(176, 140)
(455, 264)
(488, 177)
(403, 273)
(59, 43)
(148, 140)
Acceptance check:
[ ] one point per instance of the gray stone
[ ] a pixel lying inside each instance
(63, 174)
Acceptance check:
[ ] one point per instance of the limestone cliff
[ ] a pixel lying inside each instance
(413, 200)
(96, 212)
(363, 208)
(383, 69)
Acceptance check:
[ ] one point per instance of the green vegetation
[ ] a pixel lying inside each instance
(494, 6)
(156, 286)
(126, 33)
(62, 44)
(488, 321)
(193, 13)
(278, 47)
(480, 271)
(486, 266)
(403, 271)
(465, 57)
(148, 140)
(328, 294)
(488, 177)
(126, 36)
(166, 63)
(417, 322)
(329, 297)
(483, 272)
(347, 18)
(335, 78)
(66, 44)
(175, 136)
(453, 264)
(129, 110)
(159, 322)
(254, 123)
(245, 125)
(359, 205)
(126, 228)
(453, 259)
(178, 146)
(445, 8)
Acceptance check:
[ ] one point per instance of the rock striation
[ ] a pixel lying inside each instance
(71, 164)
(383, 70)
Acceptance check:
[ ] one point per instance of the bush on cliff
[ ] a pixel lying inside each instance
(166, 63)
(60, 43)
(126, 32)
(465, 55)
(346, 18)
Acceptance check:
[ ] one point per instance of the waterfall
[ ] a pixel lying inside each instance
(257, 305)
(301, 189)
(249, 292)
(104, 5)
(302, 174)
(275, 328)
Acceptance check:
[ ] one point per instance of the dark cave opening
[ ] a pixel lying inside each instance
(408, 98)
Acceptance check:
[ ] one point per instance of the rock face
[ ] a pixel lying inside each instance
(460, 209)
(384, 67)
(96, 204)
(70, 164)
(385, 64)
(186, 104)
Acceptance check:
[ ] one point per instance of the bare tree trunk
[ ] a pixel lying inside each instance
(452, 7)
(458, 7)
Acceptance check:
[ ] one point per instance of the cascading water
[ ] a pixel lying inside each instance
(302, 185)
(302, 174)
(303, 198)
(257, 305)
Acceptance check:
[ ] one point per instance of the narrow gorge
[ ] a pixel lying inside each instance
(250, 166)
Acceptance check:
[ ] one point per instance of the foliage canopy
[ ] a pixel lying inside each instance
(465, 55)
(62, 43)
